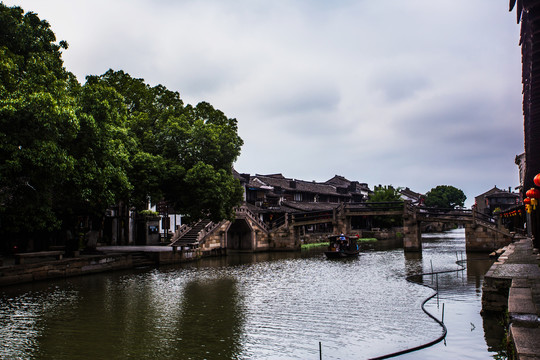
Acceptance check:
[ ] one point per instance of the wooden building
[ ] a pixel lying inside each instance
(275, 190)
(496, 198)
(528, 14)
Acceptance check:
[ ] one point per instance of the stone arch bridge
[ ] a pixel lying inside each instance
(247, 232)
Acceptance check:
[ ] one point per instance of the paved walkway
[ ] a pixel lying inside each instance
(520, 263)
(135, 248)
(10, 260)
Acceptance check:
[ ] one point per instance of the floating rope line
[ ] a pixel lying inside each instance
(440, 322)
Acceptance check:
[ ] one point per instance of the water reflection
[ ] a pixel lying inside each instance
(256, 306)
(210, 321)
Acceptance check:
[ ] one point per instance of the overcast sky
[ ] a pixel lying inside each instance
(414, 93)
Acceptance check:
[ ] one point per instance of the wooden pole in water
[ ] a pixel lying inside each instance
(320, 350)
(442, 313)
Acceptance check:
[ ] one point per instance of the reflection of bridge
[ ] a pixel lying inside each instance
(249, 233)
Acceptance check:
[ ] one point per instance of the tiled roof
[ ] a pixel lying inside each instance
(410, 194)
(503, 194)
(489, 192)
(263, 181)
(305, 206)
(339, 181)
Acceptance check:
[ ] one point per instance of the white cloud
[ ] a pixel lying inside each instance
(412, 93)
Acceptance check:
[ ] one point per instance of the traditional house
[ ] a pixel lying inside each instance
(414, 197)
(275, 190)
(528, 13)
(496, 198)
(273, 196)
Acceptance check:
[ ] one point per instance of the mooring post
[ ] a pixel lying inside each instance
(442, 313)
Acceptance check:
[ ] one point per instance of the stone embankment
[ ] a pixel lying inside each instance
(109, 258)
(513, 284)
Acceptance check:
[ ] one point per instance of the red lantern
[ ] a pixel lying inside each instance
(527, 201)
(533, 193)
(537, 179)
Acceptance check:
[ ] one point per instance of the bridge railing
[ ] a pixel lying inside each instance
(310, 216)
(374, 206)
(485, 218)
(180, 232)
(206, 230)
(246, 212)
(456, 213)
(444, 211)
(330, 215)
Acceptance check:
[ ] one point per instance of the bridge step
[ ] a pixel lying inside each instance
(192, 235)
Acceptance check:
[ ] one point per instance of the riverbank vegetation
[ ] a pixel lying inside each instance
(321, 244)
(315, 245)
(71, 150)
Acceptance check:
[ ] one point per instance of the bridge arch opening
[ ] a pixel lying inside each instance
(240, 236)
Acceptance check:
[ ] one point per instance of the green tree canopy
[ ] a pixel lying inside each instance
(69, 149)
(445, 196)
(385, 193)
(38, 122)
(184, 154)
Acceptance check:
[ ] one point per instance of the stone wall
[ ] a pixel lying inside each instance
(284, 239)
(280, 239)
(495, 293)
(262, 240)
(313, 238)
(485, 239)
(216, 238)
(63, 268)
(412, 237)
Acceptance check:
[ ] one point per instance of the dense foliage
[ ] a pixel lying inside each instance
(68, 149)
(383, 194)
(445, 196)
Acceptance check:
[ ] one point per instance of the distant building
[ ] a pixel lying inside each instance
(414, 197)
(275, 190)
(496, 198)
(528, 13)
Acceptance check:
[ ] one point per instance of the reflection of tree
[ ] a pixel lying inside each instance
(211, 320)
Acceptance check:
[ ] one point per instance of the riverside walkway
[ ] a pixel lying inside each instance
(513, 284)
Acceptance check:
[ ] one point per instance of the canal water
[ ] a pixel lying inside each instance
(259, 306)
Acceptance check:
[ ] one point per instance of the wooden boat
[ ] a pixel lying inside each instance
(342, 246)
